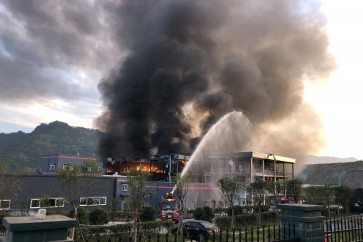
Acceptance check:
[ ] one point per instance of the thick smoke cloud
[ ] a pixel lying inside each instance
(191, 62)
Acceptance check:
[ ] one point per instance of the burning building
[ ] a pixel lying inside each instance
(189, 64)
(160, 167)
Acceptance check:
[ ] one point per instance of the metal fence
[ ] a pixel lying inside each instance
(344, 229)
(264, 234)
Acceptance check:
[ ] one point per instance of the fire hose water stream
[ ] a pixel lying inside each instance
(229, 134)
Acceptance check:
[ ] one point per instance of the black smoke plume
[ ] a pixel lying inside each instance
(190, 62)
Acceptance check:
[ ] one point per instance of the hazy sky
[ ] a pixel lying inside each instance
(53, 54)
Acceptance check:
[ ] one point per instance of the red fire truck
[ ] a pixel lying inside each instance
(169, 207)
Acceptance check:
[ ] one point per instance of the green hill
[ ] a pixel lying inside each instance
(23, 150)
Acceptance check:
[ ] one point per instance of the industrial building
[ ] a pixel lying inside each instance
(50, 164)
(246, 166)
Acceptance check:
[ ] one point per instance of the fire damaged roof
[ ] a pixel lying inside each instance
(348, 174)
(252, 154)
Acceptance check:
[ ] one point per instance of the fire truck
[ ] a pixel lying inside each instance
(169, 208)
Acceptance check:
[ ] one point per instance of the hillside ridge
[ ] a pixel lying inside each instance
(23, 150)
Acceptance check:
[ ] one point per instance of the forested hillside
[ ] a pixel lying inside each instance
(23, 150)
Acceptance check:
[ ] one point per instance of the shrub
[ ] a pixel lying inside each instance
(2, 215)
(82, 215)
(269, 216)
(148, 214)
(209, 214)
(221, 211)
(238, 210)
(223, 222)
(204, 213)
(119, 231)
(98, 216)
(245, 220)
(199, 214)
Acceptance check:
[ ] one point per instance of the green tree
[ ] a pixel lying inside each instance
(113, 209)
(343, 195)
(229, 188)
(180, 193)
(76, 181)
(98, 216)
(137, 184)
(258, 190)
(276, 189)
(318, 194)
(82, 215)
(294, 188)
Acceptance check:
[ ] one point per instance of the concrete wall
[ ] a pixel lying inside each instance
(41, 186)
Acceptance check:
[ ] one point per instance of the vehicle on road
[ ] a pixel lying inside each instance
(197, 230)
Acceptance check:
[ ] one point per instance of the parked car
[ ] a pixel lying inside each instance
(197, 230)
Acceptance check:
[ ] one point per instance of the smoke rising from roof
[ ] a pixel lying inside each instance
(191, 62)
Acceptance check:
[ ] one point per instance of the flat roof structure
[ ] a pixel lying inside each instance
(253, 154)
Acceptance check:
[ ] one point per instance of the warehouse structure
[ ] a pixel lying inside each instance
(246, 166)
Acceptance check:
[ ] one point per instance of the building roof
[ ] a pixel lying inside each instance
(252, 154)
(348, 174)
(59, 156)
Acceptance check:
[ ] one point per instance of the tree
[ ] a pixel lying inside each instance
(293, 189)
(343, 195)
(137, 184)
(10, 185)
(276, 188)
(76, 180)
(358, 199)
(258, 190)
(229, 188)
(321, 195)
(180, 193)
(113, 209)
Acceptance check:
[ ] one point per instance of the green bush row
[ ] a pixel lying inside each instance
(122, 231)
(224, 222)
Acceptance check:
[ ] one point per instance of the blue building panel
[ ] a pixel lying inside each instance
(49, 164)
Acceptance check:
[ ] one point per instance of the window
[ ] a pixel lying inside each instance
(49, 202)
(98, 168)
(89, 168)
(92, 201)
(68, 167)
(4, 204)
(51, 167)
(124, 187)
(35, 203)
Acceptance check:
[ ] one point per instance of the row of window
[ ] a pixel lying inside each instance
(47, 202)
(70, 167)
(92, 201)
(59, 202)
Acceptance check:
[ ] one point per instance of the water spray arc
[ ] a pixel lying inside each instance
(231, 132)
